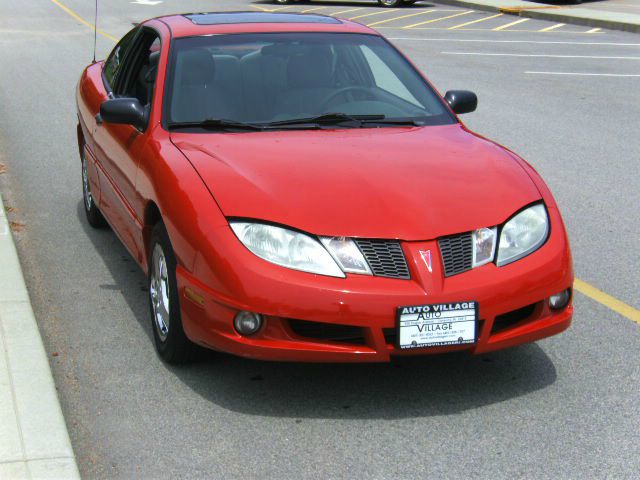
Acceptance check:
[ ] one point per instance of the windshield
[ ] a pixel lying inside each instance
(274, 78)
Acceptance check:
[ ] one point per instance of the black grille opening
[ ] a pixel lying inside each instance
(457, 253)
(510, 319)
(328, 331)
(390, 335)
(385, 257)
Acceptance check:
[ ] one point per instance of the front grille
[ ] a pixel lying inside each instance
(328, 331)
(385, 258)
(457, 253)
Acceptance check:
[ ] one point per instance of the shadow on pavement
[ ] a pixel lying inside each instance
(406, 388)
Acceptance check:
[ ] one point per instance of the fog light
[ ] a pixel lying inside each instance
(247, 323)
(560, 300)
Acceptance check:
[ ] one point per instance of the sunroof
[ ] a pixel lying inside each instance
(227, 18)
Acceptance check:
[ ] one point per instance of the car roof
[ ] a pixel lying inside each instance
(194, 24)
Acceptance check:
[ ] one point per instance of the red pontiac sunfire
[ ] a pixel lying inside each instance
(296, 190)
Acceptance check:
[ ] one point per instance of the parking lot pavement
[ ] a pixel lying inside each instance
(566, 98)
(614, 14)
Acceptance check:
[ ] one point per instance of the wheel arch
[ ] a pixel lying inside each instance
(151, 217)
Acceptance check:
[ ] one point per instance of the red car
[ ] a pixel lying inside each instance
(296, 190)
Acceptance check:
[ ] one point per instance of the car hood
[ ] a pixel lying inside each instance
(407, 183)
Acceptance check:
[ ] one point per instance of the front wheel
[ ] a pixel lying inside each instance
(172, 344)
(390, 3)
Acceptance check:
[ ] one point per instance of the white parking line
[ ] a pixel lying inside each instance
(547, 42)
(315, 9)
(438, 19)
(502, 27)
(347, 11)
(484, 54)
(475, 21)
(585, 74)
(552, 27)
(370, 14)
(401, 17)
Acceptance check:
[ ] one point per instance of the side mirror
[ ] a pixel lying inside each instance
(124, 111)
(461, 101)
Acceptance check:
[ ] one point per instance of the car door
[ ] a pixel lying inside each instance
(118, 147)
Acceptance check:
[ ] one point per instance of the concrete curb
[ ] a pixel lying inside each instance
(577, 16)
(34, 442)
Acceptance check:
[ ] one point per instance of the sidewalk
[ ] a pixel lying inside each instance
(612, 14)
(34, 443)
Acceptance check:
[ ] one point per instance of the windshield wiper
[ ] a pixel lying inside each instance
(216, 124)
(328, 119)
(396, 121)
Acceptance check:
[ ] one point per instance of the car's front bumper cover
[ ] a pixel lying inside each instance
(517, 294)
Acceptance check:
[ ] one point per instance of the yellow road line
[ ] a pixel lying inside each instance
(502, 27)
(552, 27)
(313, 9)
(607, 300)
(476, 21)
(83, 21)
(593, 30)
(347, 11)
(438, 19)
(371, 14)
(401, 17)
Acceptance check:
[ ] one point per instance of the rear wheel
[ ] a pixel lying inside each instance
(94, 216)
(390, 3)
(172, 344)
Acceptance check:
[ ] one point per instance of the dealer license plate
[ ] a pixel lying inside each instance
(437, 325)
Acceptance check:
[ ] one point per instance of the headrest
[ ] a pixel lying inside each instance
(197, 67)
(310, 68)
(154, 57)
(149, 70)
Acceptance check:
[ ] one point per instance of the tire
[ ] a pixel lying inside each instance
(408, 2)
(390, 3)
(171, 343)
(94, 216)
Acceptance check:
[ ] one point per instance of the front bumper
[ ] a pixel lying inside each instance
(513, 303)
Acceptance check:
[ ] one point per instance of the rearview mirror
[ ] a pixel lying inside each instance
(124, 111)
(461, 101)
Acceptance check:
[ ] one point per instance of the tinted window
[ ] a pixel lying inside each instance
(114, 62)
(138, 76)
(262, 78)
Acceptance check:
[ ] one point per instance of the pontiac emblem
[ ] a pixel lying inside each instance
(426, 257)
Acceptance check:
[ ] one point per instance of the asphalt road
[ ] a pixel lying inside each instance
(566, 407)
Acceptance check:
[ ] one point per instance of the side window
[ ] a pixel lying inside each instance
(385, 78)
(112, 65)
(139, 72)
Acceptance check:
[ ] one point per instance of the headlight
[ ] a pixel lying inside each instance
(286, 248)
(347, 254)
(523, 234)
(484, 246)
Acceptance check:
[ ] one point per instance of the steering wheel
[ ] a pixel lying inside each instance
(343, 91)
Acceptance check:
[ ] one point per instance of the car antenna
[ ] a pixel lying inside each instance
(95, 32)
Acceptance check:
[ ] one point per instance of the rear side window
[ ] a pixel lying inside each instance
(114, 62)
